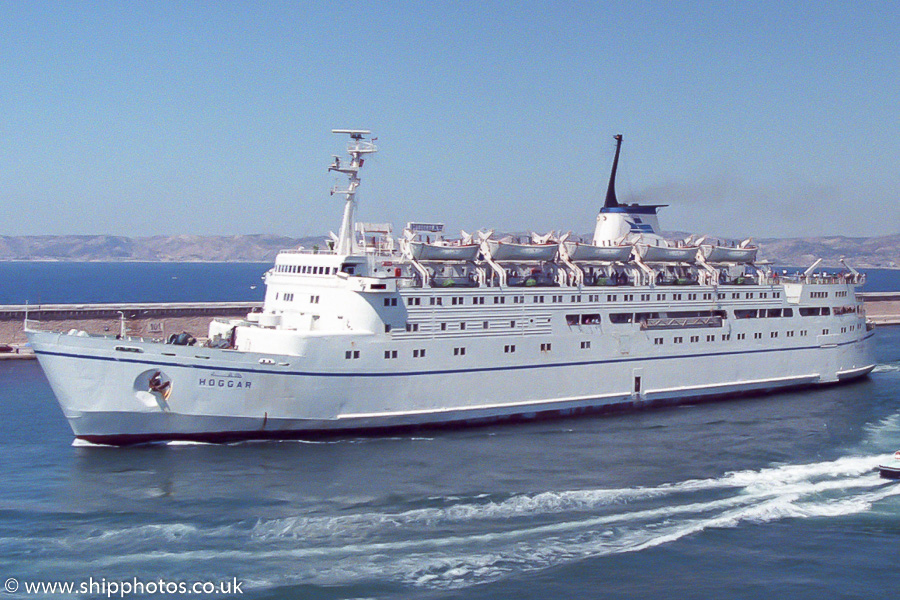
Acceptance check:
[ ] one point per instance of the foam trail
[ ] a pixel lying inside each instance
(477, 540)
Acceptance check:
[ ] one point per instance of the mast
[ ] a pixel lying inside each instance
(356, 148)
(611, 200)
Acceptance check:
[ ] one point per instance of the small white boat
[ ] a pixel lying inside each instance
(445, 251)
(656, 254)
(891, 468)
(725, 254)
(508, 251)
(588, 252)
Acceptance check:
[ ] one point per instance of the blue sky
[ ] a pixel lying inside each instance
(748, 118)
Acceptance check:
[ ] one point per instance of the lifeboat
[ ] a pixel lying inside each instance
(579, 252)
(443, 251)
(508, 251)
(659, 254)
(725, 254)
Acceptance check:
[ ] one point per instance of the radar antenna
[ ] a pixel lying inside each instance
(356, 148)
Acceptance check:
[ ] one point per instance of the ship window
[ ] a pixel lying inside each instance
(412, 326)
(509, 348)
(825, 332)
(621, 317)
(678, 340)
(695, 338)
(512, 324)
(710, 338)
(419, 353)
(657, 341)
(443, 327)
(459, 352)
(628, 297)
(545, 347)
(660, 296)
(745, 314)
(757, 335)
(585, 345)
(484, 325)
(726, 337)
(462, 326)
(773, 334)
(351, 354)
(387, 327)
(773, 312)
(348, 269)
(573, 319)
(611, 297)
(591, 319)
(313, 299)
(390, 354)
(676, 296)
(788, 312)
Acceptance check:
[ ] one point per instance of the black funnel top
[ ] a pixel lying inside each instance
(611, 201)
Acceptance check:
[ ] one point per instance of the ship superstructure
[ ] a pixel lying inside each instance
(375, 333)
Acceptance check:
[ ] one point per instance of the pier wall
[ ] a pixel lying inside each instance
(151, 320)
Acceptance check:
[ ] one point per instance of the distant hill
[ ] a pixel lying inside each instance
(179, 248)
(875, 252)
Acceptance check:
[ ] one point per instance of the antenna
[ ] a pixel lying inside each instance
(358, 146)
(611, 200)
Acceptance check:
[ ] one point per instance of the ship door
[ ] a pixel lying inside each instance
(637, 376)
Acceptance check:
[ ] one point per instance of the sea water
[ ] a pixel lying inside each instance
(765, 497)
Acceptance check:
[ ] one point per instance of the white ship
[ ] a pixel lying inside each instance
(374, 336)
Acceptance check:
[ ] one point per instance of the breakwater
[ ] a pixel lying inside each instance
(156, 320)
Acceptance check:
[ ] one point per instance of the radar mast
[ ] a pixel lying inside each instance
(356, 148)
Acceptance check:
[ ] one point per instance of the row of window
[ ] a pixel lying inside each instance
(586, 344)
(461, 300)
(289, 297)
(305, 269)
(462, 326)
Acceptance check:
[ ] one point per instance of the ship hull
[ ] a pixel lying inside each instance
(219, 396)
